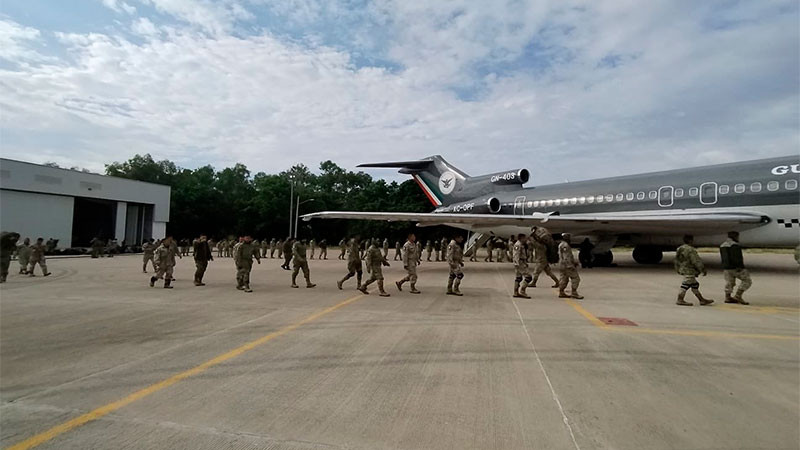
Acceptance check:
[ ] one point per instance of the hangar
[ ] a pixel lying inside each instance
(74, 207)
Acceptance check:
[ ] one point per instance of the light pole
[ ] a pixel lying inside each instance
(297, 214)
(291, 198)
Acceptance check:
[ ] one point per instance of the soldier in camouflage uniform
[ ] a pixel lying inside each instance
(386, 248)
(428, 250)
(165, 255)
(398, 250)
(342, 249)
(313, 245)
(148, 255)
(279, 246)
(569, 269)
(300, 263)
(272, 247)
(243, 258)
(287, 252)
(689, 264)
(444, 246)
(419, 252)
(323, 249)
(8, 243)
(37, 257)
(523, 274)
(733, 267)
(24, 255)
(454, 255)
(354, 266)
(375, 262)
(539, 236)
(411, 259)
(489, 249)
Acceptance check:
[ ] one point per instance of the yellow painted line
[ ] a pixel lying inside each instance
(703, 333)
(586, 314)
(111, 407)
(760, 309)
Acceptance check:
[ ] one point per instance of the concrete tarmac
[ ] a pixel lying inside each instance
(91, 357)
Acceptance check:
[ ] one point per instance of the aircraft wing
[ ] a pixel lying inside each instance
(659, 222)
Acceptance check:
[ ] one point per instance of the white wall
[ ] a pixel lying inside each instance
(37, 215)
(159, 230)
(122, 214)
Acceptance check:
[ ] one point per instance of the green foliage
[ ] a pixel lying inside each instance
(232, 202)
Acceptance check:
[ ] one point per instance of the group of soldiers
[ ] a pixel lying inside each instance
(28, 255)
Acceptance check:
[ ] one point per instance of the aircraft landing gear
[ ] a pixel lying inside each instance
(646, 254)
(603, 259)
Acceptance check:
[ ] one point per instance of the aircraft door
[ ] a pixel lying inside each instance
(519, 206)
(666, 196)
(708, 193)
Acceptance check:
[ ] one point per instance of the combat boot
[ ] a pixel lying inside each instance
(681, 301)
(294, 282)
(309, 284)
(167, 283)
(562, 294)
(456, 291)
(383, 293)
(450, 287)
(516, 289)
(363, 289)
(414, 289)
(247, 288)
(729, 299)
(576, 296)
(153, 281)
(399, 285)
(738, 298)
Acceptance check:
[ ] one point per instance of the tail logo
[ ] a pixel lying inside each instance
(447, 182)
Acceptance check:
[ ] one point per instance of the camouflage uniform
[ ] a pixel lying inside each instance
(313, 245)
(24, 255)
(398, 250)
(428, 250)
(385, 248)
(444, 247)
(569, 271)
(342, 249)
(272, 248)
(522, 273)
(300, 263)
(354, 266)
(202, 255)
(454, 255)
(411, 259)
(97, 247)
(287, 253)
(541, 263)
(733, 268)
(689, 264)
(8, 243)
(489, 249)
(165, 257)
(279, 246)
(323, 249)
(148, 250)
(243, 258)
(37, 257)
(375, 262)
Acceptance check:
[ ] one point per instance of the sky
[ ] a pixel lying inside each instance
(570, 90)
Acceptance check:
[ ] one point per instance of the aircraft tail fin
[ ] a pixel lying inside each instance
(439, 180)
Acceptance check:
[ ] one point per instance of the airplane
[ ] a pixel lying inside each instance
(652, 211)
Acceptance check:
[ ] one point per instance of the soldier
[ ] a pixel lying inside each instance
(279, 246)
(148, 250)
(272, 247)
(313, 245)
(585, 253)
(323, 249)
(363, 250)
(419, 252)
(37, 257)
(354, 266)
(8, 243)
(202, 255)
(264, 248)
(342, 249)
(97, 245)
(455, 259)
(257, 247)
(243, 259)
(510, 249)
(287, 252)
(398, 250)
(220, 247)
(540, 256)
(386, 248)
(165, 257)
(569, 269)
(428, 250)
(300, 263)
(444, 247)
(733, 267)
(437, 250)
(523, 274)
(473, 257)
(24, 255)
(375, 262)
(411, 259)
(489, 249)
(688, 264)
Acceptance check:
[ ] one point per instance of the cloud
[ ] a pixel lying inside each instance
(569, 90)
(119, 6)
(15, 43)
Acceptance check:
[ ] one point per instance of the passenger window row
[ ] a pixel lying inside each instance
(723, 189)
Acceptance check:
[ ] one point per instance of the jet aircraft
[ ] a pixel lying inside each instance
(650, 211)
